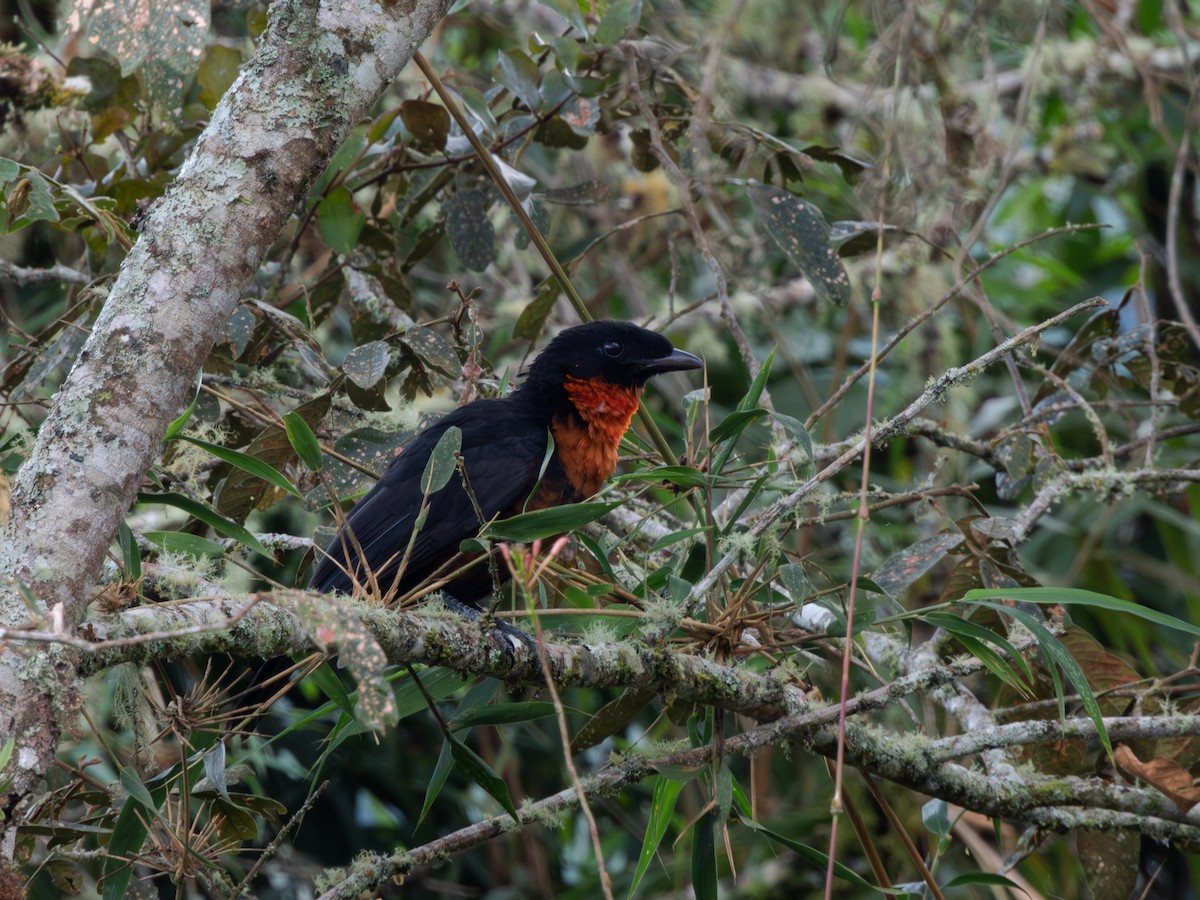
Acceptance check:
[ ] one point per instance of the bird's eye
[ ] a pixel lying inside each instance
(613, 349)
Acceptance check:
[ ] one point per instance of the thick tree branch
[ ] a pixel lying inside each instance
(268, 625)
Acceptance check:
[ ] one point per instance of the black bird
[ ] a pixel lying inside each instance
(582, 391)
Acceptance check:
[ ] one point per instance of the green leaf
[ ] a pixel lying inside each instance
(441, 771)
(900, 570)
(133, 785)
(428, 123)
(474, 101)
(995, 663)
(178, 425)
(165, 44)
(798, 432)
(532, 319)
(1051, 596)
(208, 517)
(365, 365)
(704, 857)
(669, 540)
(476, 698)
(242, 492)
(442, 462)
(571, 10)
(802, 233)
(471, 233)
(758, 385)
(1055, 653)
(936, 816)
(681, 476)
(180, 542)
(28, 199)
(517, 72)
(616, 21)
(796, 582)
(303, 441)
(217, 72)
(990, 879)
(662, 809)
(439, 683)
(482, 774)
(544, 523)
(327, 680)
(610, 718)
(958, 626)
(432, 348)
(128, 835)
(248, 464)
(130, 554)
(746, 406)
(731, 427)
(339, 220)
(724, 791)
(214, 768)
(504, 714)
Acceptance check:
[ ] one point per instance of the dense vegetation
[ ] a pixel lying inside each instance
(920, 545)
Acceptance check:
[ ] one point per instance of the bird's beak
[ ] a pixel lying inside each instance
(678, 361)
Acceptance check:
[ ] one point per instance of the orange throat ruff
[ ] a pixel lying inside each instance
(589, 452)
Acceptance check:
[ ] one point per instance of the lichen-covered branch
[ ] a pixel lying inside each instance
(887, 429)
(1059, 804)
(268, 625)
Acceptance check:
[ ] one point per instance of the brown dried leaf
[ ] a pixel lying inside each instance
(1166, 776)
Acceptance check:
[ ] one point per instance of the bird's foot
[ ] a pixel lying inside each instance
(507, 637)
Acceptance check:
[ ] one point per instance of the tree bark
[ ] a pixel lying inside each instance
(316, 73)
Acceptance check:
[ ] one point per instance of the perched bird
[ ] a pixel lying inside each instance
(582, 391)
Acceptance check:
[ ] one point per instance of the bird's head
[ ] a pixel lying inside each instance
(619, 353)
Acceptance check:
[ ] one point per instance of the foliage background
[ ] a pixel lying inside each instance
(1052, 142)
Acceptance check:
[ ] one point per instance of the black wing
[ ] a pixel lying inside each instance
(503, 444)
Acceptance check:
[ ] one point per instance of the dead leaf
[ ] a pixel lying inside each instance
(1168, 777)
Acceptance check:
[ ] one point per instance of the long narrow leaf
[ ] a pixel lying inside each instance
(303, 441)
(544, 523)
(1056, 653)
(1078, 597)
(248, 464)
(960, 627)
(749, 401)
(441, 771)
(662, 809)
(130, 554)
(197, 510)
(482, 774)
(181, 542)
(178, 425)
(704, 857)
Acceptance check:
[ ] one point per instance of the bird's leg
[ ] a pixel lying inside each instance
(507, 637)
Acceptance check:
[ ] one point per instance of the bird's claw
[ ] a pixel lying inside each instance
(507, 637)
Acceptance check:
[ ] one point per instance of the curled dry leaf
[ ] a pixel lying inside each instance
(1167, 776)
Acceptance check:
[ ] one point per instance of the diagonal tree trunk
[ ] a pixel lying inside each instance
(317, 72)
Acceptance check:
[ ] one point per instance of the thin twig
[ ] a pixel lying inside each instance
(886, 430)
(535, 236)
